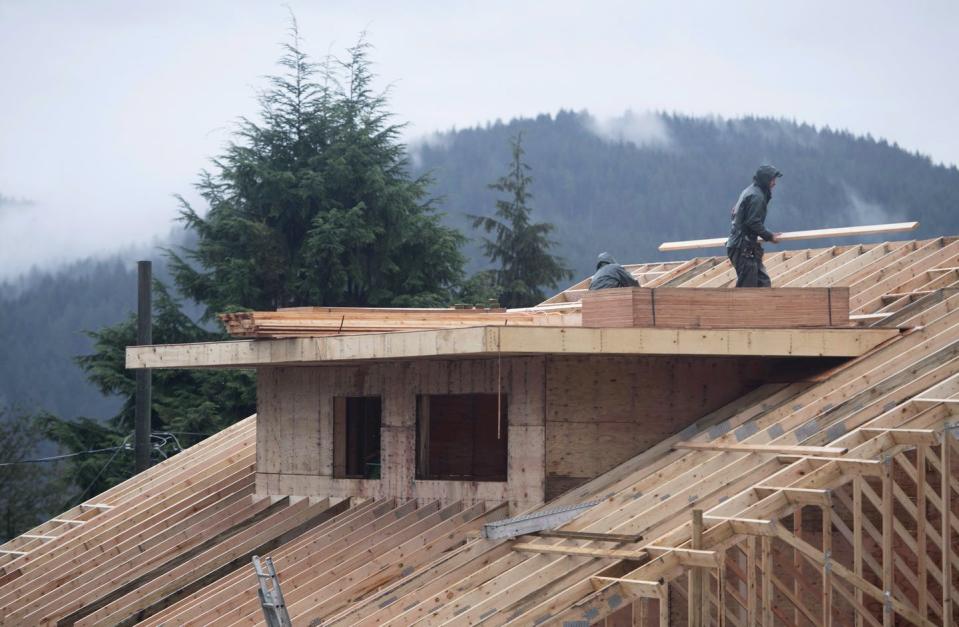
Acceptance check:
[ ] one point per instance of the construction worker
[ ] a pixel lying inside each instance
(748, 225)
(610, 274)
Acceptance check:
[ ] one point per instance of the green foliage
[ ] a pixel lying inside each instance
(520, 247)
(479, 289)
(190, 404)
(313, 205)
(29, 493)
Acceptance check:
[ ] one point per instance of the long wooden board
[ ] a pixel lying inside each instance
(847, 231)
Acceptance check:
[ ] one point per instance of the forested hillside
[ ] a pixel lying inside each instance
(628, 184)
(619, 185)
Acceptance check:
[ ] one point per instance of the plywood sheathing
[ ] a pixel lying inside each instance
(715, 308)
(295, 440)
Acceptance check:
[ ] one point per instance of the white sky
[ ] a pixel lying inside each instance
(108, 107)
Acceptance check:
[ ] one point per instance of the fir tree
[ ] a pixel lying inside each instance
(521, 247)
(313, 205)
(187, 404)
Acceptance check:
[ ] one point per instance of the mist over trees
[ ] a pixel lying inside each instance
(519, 248)
(312, 204)
(628, 184)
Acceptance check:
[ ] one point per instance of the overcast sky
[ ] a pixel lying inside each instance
(108, 107)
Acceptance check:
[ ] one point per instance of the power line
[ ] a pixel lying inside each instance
(59, 457)
(109, 461)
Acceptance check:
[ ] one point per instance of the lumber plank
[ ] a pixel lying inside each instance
(580, 551)
(820, 451)
(849, 231)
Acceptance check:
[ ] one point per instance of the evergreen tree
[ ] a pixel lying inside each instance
(313, 205)
(520, 247)
(28, 491)
(188, 405)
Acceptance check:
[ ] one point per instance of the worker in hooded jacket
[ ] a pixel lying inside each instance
(748, 226)
(610, 274)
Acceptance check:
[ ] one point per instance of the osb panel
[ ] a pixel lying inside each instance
(288, 401)
(603, 411)
(295, 428)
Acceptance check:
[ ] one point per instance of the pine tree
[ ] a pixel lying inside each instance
(521, 248)
(314, 205)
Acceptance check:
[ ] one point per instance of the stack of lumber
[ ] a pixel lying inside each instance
(321, 321)
(717, 308)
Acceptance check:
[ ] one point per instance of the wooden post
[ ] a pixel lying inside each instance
(857, 540)
(888, 617)
(751, 581)
(827, 567)
(721, 591)
(946, 528)
(797, 559)
(144, 380)
(767, 568)
(638, 612)
(695, 609)
(664, 605)
(921, 552)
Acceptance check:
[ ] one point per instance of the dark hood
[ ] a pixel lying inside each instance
(764, 175)
(603, 260)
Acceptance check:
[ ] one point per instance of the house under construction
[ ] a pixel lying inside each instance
(681, 453)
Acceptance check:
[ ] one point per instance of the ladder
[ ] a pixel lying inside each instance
(274, 608)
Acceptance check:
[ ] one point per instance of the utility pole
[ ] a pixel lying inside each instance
(144, 391)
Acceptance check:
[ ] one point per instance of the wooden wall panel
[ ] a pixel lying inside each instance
(297, 458)
(289, 400)
(602, 411)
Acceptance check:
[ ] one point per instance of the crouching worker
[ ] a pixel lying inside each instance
(748, 225)
(610, 274)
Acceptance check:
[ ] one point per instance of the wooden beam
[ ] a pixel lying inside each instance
(747, 526)
(857, 539)
(922, 552)
(644, 589)
(946, 487)
(751, 581)
(698, 558)
(664, 606)
(827, 570)
(905, 437)
(802, 496)
(696, 583)
(773, 449)
(580, 551)
(587, 535)
(848, 231)
(492, 341)
(767, 585)
(863, 467)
